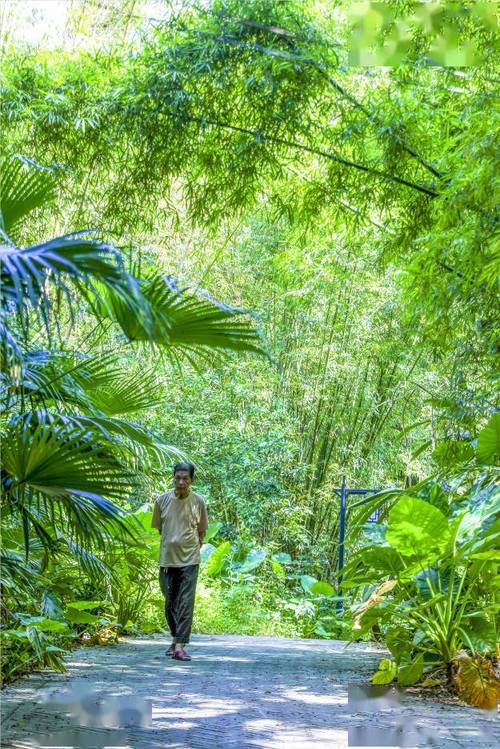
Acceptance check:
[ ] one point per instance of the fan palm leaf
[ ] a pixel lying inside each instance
(90, 563)
(24, 186)
(72, 257)
(53, 460)
(126, 393)
(42, 376)
(93, 384)
(16, 574)
(181, 320)
(125, 438)
(58, 473)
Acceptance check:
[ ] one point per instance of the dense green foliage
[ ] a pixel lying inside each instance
(346, 216)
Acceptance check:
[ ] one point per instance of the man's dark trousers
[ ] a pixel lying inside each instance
(178, 585)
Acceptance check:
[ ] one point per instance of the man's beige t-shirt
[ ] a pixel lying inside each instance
(182, 522)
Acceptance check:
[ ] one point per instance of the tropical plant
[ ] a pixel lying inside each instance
(73, 460)
(435, 598)
(63, 438)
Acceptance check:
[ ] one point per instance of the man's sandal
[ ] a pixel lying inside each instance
(170, 651)
(181, 655)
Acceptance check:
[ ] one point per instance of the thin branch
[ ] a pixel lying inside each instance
(316, 151)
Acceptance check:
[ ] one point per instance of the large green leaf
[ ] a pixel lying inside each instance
(411, 673)
(488, 442)
(380, 558)
(398, 642)
(416, 528)
(86, 605)
(254, 559)
(386, 672)
(216, 560)
(206, 552)
(449, 453)
(307, 581)
(482, 633)
(44, 624)
(80, 617)
(282, 557)
(322, 588)
(212, 531)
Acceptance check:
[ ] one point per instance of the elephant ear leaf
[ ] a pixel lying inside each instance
(397, 640)
(216, 560)
(411, 673)
(206, 552)
(476, 682)
(253, 560)
(322, 588)
(416, 528)
(212, 531)
(386, 672)
(488, 442)
(482, 634)
(307, 581)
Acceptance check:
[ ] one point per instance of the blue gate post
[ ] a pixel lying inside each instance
(343, 496)
(343, 493)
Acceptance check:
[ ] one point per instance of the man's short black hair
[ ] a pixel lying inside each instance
(184, 467)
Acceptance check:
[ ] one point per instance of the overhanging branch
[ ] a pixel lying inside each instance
(308, 149)
(289, 38)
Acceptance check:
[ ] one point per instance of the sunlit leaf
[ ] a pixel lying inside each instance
(415, 527)
(217, 558)
(322, 588)
(488, 442)
(411, 673)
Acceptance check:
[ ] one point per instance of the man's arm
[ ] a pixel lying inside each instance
(203, 522)
(156, 519)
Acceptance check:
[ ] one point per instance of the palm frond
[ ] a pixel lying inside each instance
(61, 474)
(92, 564)
(126, 393)
(125, 438)
(41, 375)
(182, 320)
(24, 272)
(56, 459)
(16, 574)
(11, 353)
(24, 186)
(58, 378)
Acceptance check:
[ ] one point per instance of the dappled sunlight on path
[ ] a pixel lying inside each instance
(236, 692)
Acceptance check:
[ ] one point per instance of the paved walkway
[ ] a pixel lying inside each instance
(236, 693)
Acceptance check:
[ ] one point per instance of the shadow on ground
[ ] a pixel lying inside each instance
(236, 692)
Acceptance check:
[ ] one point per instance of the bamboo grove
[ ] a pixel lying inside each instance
(226, 237)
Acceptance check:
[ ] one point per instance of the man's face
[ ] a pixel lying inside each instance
(182, 482)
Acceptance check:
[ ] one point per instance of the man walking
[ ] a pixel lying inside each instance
(180, 516)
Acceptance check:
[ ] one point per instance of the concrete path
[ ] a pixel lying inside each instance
(236, 693)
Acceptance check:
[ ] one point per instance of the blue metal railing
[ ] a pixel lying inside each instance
(343, 492)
